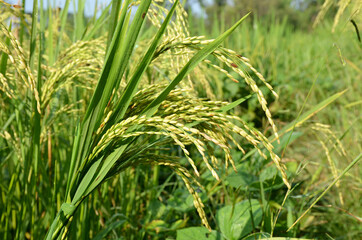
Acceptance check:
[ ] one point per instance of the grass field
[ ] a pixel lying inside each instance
(151, 123)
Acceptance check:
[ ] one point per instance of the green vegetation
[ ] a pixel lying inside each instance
(151, 123)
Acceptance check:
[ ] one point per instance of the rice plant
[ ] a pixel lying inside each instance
(106, 119)
(129, 119)
(354, 13)
(306, 68)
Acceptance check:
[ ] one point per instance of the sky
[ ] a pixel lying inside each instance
(89, 7)
(90, 4)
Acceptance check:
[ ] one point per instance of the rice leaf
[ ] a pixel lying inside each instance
(304, 117)
(194, 61)
(63, 21)
(116, 6)
(98, 24)
(4, 56)
(234, 104)
(112, 72)
(131, 88)
(354, 162)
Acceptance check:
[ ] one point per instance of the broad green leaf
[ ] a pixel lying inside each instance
(241, 179)
(156, 225)
(236, 221)
(197, 233)
(156, 208)
(178, 224)
(269, 177)
(181, 201)
(262, 236)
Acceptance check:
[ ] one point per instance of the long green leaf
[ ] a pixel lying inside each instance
(131, 88)
(82, 140)
(33, 34)
(4, 56)
(96, 174)
(304, 117)
(114, 156)
(90, 179)
(234, 104)
(97, 24)
(49, 39)
(79, 20)
(194, 61)
(116, 5)
(311, 112)
(63, 21)
(115, 66)
(354, 162)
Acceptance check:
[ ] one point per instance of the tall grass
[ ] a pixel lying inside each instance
(89, 104)
(119, 128)
(305, 68)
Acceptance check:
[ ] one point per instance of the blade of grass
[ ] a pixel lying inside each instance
(34, 150)
(116, 62)
(49, 39)
(63, 22)
(97, 24)
(131, 88)
(33, 34)
(194, 61)
(116, 6)
(79, 20)
(90, 181)
(22, 24)
(304, 117)
(112, 73)
(95, 12)
(355, 161)
(82, 139)
(4, 56)
(310, 113)
(234, 104)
